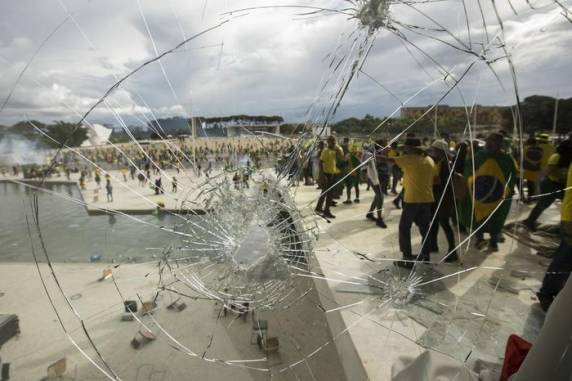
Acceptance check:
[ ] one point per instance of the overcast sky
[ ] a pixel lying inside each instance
(269, 61)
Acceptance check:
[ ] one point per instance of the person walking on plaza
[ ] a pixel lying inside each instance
(547, 149)
(418, 177)
(328, 160)
(158, 186)
(109, 190)
(315, 157)
(532, 165)
(394, 169)
(373, 180)
(97, 178)
(444, 204)
(559, 269)
(491, 184)
(352, 175)
(553, 185)
(174, 185)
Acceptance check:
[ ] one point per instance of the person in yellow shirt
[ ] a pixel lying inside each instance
(418, 177)
(559, 269)
(328, 160)
(547, 149)
(552, 186)
(532, 165)
(394, 169)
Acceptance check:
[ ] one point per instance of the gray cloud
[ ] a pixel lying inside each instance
(271, 63)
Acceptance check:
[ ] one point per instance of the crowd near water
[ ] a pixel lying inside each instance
(444, 183)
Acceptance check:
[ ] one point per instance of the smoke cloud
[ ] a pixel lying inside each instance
(16, 149)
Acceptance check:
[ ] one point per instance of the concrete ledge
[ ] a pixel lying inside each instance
(137, 212)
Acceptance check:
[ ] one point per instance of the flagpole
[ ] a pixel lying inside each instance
(555, 118)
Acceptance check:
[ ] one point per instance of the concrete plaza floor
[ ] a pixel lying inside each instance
(468, 314)
(200, 328)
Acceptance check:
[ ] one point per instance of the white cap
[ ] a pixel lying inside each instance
(440, 144)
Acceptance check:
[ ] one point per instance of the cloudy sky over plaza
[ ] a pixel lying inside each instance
(269, 61)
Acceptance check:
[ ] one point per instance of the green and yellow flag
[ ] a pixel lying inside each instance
(490, 185)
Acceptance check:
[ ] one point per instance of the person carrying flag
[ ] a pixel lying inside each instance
(490, 187)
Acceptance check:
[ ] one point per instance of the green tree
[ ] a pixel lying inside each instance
(65, 133)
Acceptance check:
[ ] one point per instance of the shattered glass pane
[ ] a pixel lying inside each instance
(194, 248)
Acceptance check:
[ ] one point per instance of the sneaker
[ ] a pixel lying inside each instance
(396, 203)
(328, 215)
(404, 264)
(480, 243)
(348, 202)
(370, 216)
(334, 203)
(529, 225)
(381, 223)
(356, 200)
(492, 248)
(453, 257)
(545, 301)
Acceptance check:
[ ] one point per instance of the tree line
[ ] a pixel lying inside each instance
(60, 132)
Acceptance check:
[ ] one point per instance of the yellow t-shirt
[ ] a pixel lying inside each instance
(328, 158)
(418, 176)
(566, 213)
(558, 174)
(392, 153)
(547, 151)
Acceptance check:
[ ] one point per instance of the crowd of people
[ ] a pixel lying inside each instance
(147, 162)
(469, 185)
(203, 155)
(466, 186)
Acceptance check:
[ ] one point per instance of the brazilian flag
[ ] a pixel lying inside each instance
(490, 185)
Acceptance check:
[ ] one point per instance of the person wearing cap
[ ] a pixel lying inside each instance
(547, 149)
(418, 177)
(559, 269)
(443, 206)
(330, 171)
(490, 185)
(553, 185)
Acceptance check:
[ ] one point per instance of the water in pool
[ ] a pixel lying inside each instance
(71, 235)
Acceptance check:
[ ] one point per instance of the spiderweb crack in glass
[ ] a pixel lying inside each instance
(253, 251)
(262, 243)
(372, 14)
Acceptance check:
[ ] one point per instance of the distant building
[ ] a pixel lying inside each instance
(483, 117)
(235, 125)
(243, 125)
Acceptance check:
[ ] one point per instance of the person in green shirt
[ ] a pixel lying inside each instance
(352, 175)
(490, 186)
